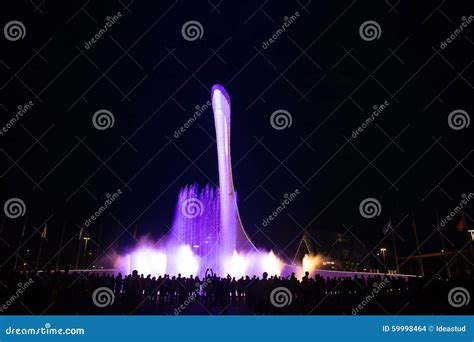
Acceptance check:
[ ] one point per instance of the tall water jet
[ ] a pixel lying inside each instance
(232, 236)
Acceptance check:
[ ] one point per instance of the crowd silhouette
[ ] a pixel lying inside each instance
(53, 292)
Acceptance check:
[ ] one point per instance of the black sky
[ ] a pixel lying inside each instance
(151, 79)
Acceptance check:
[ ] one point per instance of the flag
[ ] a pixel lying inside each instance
(388, 227)
(44, 232)
(461, 223)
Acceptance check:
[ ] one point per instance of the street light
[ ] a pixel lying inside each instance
(27, 256)
(383, 251)
(472, 234)
(86, 239)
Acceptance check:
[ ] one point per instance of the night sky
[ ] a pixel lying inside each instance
(320, 70)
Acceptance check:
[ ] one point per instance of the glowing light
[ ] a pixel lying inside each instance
(330, 263)
(237, 265)
(145, 260)
(185, 262)
(271, 264)
(310, 263)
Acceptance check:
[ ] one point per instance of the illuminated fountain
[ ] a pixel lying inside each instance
(196, 223)
(207, 232)
(232, 236)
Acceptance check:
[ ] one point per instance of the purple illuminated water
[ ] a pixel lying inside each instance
(194, 244)
(196, 223)
(207, 232)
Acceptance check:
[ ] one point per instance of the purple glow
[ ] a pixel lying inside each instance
(207, 232)
(196, 219)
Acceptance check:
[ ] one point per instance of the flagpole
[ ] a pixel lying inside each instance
(420, 261)
(117, 238)
(21, 241)
(461, 226)
(79, 249)
(98, 241)
(60, 246)
(448, 271)
(43, 236)
(395, 252)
